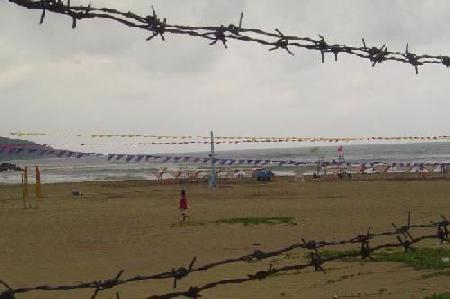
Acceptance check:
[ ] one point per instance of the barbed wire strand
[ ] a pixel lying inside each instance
(402, 233)
(221, 34)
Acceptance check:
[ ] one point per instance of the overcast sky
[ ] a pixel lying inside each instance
(104, 77)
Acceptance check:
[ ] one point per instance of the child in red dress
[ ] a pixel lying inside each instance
(183, 206)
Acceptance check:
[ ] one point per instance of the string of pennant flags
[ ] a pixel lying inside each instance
(187, 139)
(135, 144)
(40, 150)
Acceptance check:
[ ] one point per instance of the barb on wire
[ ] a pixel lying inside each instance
(446, 61)
(323, 46)
(182, 272)
(214, 34)
(106, 284)
(365, 247)
(219, 35)
(156, 26)
(317, 261)
(442, 230)
(404, 230)
(236, 30)
(413, 59)
(282, 42)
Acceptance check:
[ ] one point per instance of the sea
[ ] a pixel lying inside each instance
(58, 170)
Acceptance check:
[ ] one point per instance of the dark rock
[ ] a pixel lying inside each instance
(9, 166)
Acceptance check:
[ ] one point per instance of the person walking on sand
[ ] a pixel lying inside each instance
(183, 206)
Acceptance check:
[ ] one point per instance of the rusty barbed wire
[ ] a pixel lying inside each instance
(223, 33)
(402, 233)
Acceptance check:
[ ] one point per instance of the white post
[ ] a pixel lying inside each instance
(212, 180)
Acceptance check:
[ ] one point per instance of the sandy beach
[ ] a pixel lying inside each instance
(135, 226)
(324, 124)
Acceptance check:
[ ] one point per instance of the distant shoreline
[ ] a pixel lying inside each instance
(394, 177)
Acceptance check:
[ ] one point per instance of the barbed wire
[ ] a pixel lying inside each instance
(223, 33)
(402, 233)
